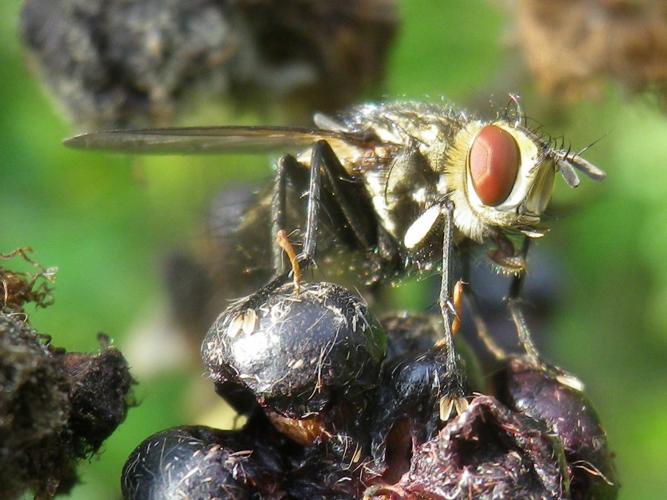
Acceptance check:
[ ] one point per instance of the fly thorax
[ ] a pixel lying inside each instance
(402, 191)
(498, 177)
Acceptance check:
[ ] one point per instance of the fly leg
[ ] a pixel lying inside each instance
(454, 387)
(358, 224)
(328, 186)
(514, 305)
(355, 207)
(307, 255)
(284, 243)
(338, 198)
(457, 302)
(287, 168)
(532, 355)
(355, 212)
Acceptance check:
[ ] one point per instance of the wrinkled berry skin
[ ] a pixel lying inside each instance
(199, 462)
(544, 394)
(487, 452)
(302, 353)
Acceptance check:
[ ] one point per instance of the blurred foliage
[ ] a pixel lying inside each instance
(107, 221)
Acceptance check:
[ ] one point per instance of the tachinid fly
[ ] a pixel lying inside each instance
(409, 183)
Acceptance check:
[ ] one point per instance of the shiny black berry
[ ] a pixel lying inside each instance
(310, 358)
(298, 352)
(202, 463)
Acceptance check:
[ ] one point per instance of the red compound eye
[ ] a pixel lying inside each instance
(494, 162)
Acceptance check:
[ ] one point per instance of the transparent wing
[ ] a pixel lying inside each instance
(210, 140)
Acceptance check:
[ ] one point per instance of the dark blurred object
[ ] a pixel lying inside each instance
(573, 47)
(114, 64)
(556, 399)
(232, 259)
(56, 408)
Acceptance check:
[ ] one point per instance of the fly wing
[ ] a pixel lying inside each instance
(210, 140)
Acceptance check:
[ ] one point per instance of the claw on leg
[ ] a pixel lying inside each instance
(459, 405)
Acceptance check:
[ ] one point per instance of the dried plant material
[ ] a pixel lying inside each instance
(573, 47)
(56, 408)
(17, 288)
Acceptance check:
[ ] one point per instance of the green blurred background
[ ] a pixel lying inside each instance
(107, 224)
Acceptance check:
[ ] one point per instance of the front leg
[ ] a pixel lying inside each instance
(454, 386)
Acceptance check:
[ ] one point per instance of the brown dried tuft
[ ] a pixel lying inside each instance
(573, 47)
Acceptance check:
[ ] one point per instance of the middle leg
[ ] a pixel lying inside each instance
(514, 305)
(454, 387)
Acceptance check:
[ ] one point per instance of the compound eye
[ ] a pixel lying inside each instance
(494, 163)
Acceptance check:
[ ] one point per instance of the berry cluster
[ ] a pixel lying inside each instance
(342, 405)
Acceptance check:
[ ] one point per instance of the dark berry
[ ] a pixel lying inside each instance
(311, 360)
(414, 380)
(485, 452)
(298, 353)
(553, 397)
(202, 463)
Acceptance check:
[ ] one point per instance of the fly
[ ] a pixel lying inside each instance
(409, 183)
